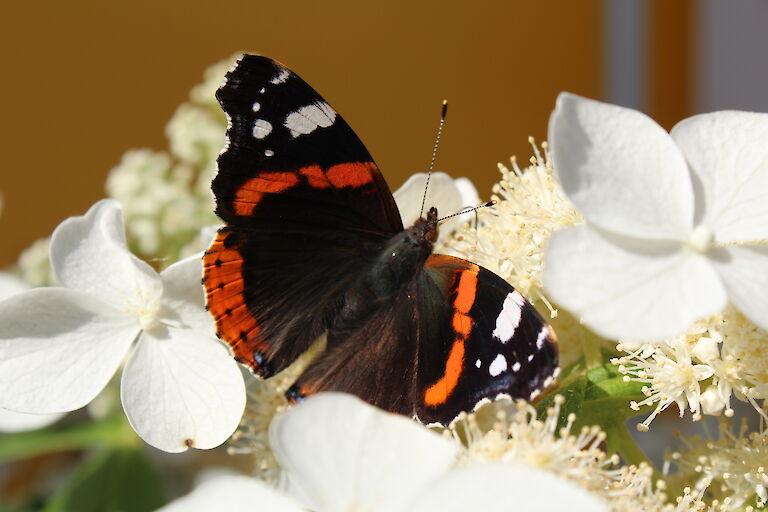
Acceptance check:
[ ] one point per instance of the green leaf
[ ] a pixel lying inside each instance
(115, 480)
(22, 445)
(572, 388)
(607, 397)
(600, 396)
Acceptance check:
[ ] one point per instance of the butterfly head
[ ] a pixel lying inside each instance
(424, 230)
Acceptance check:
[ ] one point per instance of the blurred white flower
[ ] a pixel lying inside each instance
(196, 135)
(162, 207)
(204, 94)
(736, 464)
(10, 285)
(34, 266)
(447, 194)
(60, 346)
(341, 454)
(676, 224)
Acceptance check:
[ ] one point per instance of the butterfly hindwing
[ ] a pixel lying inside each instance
(498, 343)
(305, 206)
(455, 335)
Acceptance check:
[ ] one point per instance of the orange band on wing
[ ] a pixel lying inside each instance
(438, 392)
(351, 174)
(466, 290)
(252, 191)
(462, 324)
(315, 176)
(223, 281)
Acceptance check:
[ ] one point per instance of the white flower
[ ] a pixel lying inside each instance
(60, 346)
(674, 223)
(510, 238)
(341, 454)
(670, 376)
(11, 421)
(10, 285)
(196, 135)
(33, 264)
(736, 463)
(447, 194)
(162, 210)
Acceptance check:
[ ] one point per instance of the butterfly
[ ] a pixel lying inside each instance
(313, 245)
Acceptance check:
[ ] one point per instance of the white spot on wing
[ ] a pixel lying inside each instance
(281, 77)
(542, 337)
(308, 118)
(509, 318)
(256, 106)
(268, 152)
(498, 365)
(478, 363)
(261, 128)
(516, 366)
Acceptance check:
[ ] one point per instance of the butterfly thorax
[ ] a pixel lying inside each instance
(393, 267)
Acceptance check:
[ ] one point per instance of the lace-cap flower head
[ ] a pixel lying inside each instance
(60, 346)
(675, 223)
(340, 454)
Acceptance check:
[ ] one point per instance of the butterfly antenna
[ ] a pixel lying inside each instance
(443, 113)
(468, 210)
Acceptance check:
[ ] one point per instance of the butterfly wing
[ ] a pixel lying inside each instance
(455, 335)
(304, 205)
(498, 345)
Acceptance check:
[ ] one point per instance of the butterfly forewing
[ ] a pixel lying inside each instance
(305, 205)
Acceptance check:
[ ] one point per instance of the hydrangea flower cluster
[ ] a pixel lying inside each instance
(648, 250)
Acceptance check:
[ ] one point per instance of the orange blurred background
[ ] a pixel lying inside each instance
(86, 81)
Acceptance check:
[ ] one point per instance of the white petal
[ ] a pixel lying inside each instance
(183, 301)
(338, 452)
(745, 273)
(233, 494)
(620, 169)
(58, 349)
(88, 253)
(505, 488)
(182, 390)
(11, 285)
(728, 157)
(712, 402)
(469, 196)
(445, 193)
(11, 421)
(629, 289)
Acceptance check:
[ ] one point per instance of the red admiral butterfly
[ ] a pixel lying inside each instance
(314, 244)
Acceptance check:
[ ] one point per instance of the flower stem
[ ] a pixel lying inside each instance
(113, 432)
